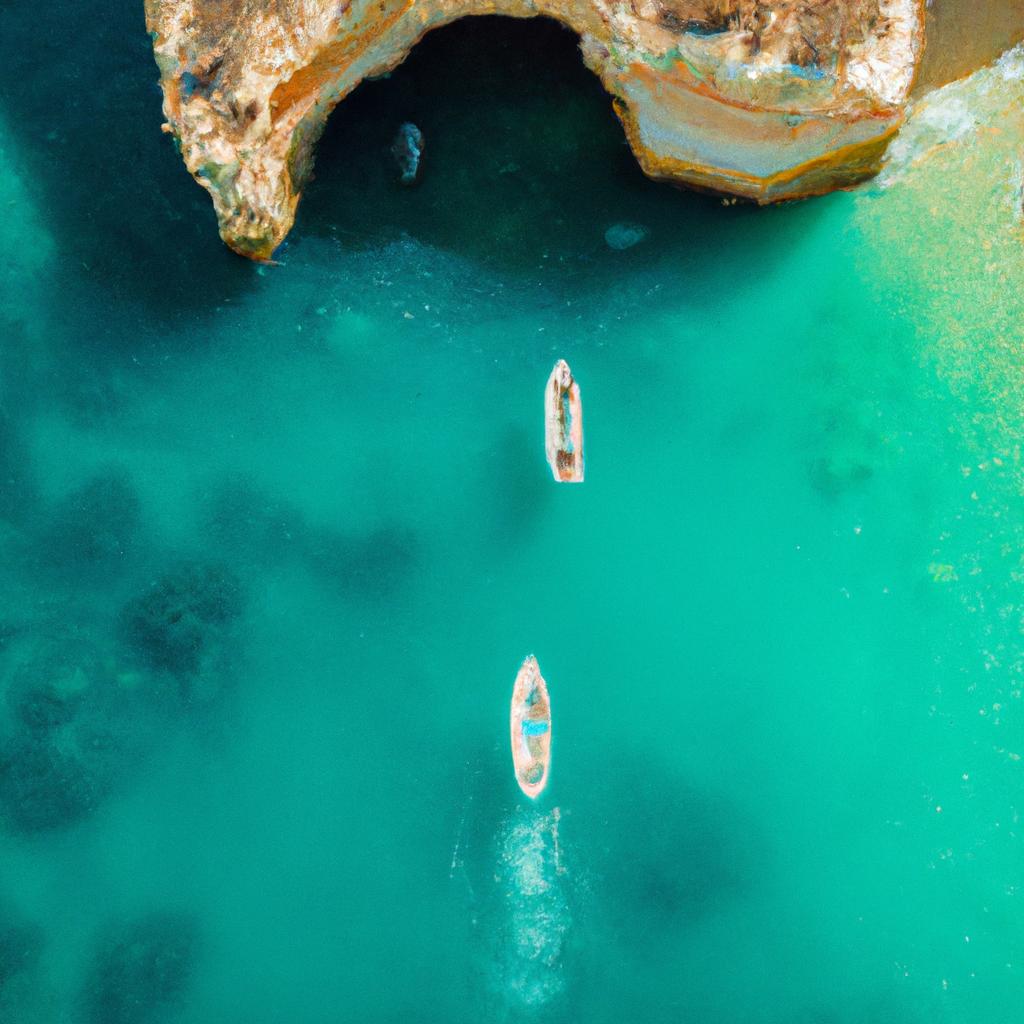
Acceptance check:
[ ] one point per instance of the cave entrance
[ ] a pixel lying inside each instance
(523, 153)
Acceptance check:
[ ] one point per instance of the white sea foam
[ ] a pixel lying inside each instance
(954, 114)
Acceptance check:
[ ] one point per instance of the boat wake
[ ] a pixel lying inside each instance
(510, 869)
(535, 912)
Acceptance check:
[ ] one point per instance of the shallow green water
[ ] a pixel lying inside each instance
(278, 539)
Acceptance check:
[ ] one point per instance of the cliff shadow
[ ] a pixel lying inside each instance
(80, 97)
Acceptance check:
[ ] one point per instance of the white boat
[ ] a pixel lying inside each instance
(563, 425)
(531, 729)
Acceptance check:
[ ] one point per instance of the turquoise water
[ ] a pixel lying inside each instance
(276, 540)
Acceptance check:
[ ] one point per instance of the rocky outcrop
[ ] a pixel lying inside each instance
(765, 99)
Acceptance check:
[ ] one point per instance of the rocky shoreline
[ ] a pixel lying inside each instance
(763, 99)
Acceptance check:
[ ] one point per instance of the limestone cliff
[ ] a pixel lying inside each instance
(766, 99)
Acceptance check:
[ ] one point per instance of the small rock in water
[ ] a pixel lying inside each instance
(407, 149)
(625, 236)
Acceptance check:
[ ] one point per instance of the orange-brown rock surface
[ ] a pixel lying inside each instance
(766, 99)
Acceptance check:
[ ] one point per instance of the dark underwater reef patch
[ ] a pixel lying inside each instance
(93, 392)
(676, 867)
(22, 994)
(83, 709)
(372, 565)
(657, 849)
(248, 523)
(142, 970)
(17, 488)
(846, 446)
(94, 530)
(57, 759)
(665, 852)
(181, 623)
(254, 526)
(44, 788)
(20, 947)
(73, 728)
(832, 476)
(59, 678)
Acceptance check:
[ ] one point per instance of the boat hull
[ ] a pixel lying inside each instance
(563, 425)
(531, 729)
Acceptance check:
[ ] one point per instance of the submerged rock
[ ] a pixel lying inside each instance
(625, 236)
(407, 149)
(767, 99)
